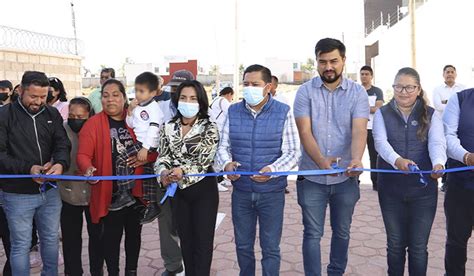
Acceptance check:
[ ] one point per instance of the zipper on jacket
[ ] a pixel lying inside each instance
(37, 139)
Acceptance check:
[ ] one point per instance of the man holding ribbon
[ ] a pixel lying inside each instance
(259, 135)
(331, 114)
(32, 141)
(459, 199)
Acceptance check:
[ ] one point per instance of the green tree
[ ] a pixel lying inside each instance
(308, 66)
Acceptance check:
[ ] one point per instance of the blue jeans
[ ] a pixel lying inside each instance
(313, 199)
(408, 221)
(247, 207)
(20, 210)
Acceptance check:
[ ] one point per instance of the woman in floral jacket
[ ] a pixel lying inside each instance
(188, 144)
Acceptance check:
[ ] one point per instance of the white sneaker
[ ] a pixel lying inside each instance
(221, 187)
(227, 182)
(35, 257)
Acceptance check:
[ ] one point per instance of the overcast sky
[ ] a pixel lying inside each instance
(146, 31)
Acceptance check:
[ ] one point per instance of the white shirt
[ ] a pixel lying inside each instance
(218, 111)
(443, 93)
(451, 124)
(145, 122)
(436, 141)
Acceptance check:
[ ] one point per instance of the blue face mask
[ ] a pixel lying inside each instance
(253, 95)
(188, 110)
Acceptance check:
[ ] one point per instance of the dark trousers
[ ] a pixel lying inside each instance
(195, 213)
(115, 223)
(373, 158)
(5, 236)
(71, 228)
(459, 210)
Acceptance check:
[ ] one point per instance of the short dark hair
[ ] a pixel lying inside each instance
(34, 78)
(85, 102)
(201, 96)
(367, 68)
(226, 91)
(57, 84)
(448, 66)
(266, 73)
(149, 79)
(118, 83)
(109, 70)
(275, 78)
(327, 45)
(6, 84)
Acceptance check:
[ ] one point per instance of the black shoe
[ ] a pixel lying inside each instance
(122, 200)
(287, 191)
(152, 211)
(130, 273)
(97, 273)
(172, 273)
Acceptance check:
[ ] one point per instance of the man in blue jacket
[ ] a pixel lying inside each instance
(259, 135)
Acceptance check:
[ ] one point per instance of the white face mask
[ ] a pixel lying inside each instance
(188, 110)
(253, 95)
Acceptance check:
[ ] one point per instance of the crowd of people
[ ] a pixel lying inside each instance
(175, 132)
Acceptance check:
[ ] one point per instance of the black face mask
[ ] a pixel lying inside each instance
(3, 97)
(50, 97)
(76, 124)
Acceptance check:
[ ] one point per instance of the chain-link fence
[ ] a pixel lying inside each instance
(19, 39)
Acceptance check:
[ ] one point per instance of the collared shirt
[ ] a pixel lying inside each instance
(443, 93)
(436, 141)
(289, 145)
(451, 123)
(331, 115)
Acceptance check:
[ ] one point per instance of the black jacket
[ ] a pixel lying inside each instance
(27, 140)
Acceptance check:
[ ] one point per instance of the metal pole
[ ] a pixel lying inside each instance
(381, 18)
(74, 27)
(236, 57)
(398, 13)
(412, 10)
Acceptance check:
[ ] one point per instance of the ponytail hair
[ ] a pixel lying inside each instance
(424, 123)
(422, 131)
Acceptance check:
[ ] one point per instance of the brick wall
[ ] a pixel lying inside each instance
(65, 67)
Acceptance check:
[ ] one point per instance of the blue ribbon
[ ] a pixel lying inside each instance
(44, 185)
(170, 191)
(416, 169)
(303, 173)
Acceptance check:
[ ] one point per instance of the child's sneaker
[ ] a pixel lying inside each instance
(121, 200)
(152, 211)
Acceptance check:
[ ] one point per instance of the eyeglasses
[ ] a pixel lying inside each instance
(409, 88)
(53, 79)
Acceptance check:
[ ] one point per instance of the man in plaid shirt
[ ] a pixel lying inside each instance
(259, 135)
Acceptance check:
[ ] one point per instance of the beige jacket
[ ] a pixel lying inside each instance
(74, 192)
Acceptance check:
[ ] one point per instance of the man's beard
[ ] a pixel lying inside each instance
(332, 79)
